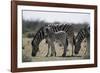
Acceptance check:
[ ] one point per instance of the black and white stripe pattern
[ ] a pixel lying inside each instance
(40, 35)
(82, 34)
(59, 36)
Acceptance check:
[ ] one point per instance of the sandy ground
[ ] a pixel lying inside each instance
(43, 48)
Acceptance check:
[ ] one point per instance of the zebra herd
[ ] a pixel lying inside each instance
(60, 33)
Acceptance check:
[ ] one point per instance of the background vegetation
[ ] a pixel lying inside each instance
(30, 27)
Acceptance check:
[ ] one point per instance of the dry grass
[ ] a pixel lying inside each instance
(43, 48)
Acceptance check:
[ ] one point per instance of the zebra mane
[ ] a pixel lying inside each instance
(58, 27)
(39, 36)
(83, 33)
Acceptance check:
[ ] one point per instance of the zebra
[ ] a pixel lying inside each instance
(55, 36)
(82, 34)
(68, 28)
(40, 35)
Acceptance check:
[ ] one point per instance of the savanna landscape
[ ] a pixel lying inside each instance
(30, 28)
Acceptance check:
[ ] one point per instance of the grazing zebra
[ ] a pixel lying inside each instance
(40, 35)
(59, 36)
(82, 34)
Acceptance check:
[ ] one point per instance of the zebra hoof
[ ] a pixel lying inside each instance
(64, 55)
(46, 56)
(51, 55)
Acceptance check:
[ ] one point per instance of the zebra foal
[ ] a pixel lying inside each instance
(52, 36)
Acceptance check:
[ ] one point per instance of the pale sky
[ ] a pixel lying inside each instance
(57, 16)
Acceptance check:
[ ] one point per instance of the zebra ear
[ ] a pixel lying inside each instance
(47, 29)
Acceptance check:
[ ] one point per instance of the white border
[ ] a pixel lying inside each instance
(52, 63)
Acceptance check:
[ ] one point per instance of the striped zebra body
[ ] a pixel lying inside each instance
(40, 35)
(82, 34)
(68, 28)
(59, 36)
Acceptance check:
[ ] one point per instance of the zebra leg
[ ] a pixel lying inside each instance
(72, 50)
(65, 48)
(53, 52)
(73, 43)
(48, 49)
(64, 54)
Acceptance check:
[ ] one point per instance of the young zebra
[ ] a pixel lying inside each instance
(40, 35)
(59, 36)
(82, 34)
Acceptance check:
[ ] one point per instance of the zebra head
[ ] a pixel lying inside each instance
(34, 48)
(77, 47)
(39, 36)
(47, 30)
